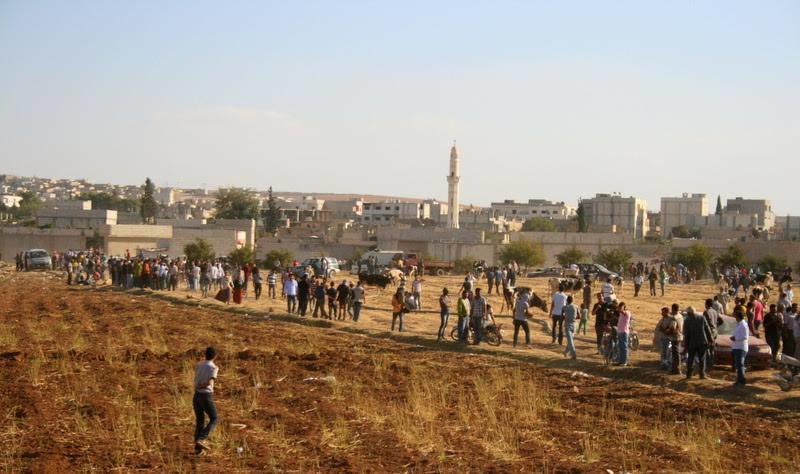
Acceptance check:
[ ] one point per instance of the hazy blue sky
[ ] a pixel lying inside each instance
(555, 99)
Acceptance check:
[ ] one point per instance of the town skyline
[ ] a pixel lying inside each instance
(544, 100)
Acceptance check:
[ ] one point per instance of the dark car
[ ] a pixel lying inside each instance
(546, 272)
(597, 271)
(759, 353)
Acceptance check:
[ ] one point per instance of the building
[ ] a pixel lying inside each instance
(164, 196)
(628, 214)
(350, 209)
(392, 211)
(760, 207)
(789, 227)
(9, 200)
(533, 208)
(676, 211)
(452, 189)
(75, 218)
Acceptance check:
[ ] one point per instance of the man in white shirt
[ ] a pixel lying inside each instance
(608, 291)
(416, 291)
(789, 292)
(203, 402)
(740, 346)
(290, 290)
(556, 315)
(521, 312)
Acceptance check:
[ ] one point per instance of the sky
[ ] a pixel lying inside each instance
(554, 100)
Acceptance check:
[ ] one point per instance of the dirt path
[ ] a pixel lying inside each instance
(101, 380)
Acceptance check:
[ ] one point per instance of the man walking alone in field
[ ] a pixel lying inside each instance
(203, 402)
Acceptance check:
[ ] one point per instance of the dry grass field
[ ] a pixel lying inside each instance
(101, 380)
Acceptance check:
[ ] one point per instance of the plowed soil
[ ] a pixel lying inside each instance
(101, 379)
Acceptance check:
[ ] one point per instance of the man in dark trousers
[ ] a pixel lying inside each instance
(205, 373)
(696, 338)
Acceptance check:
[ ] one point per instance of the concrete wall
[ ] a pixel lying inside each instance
(17, 239)
(223, 241)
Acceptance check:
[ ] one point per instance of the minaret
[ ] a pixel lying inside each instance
(452, 189)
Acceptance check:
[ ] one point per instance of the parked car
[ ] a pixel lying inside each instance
(596, 271)
(759, 353)
(37, 258)
(546, 272)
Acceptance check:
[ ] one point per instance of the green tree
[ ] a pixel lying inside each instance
(271, 214)
(570, 256)
(148, 207)
(697, 257)
(236, 203)
(463, 264)
(683, 231)
(525, 252)
(613, 258)
(581, 213)
(539, 224)
(199, 250)
(242, 255)
(732, 256)
(28, 206)
(281, 256)
(773, 264)
(108, 201)
(718, 211)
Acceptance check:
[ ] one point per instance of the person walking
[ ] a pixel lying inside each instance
(490, 279)
(662, 280)
(319, 299)
(257, 282)
(637, 284)
(357, 297)
(665, 330)
(652, 278)
(476, 314)
(696, 339)
(290, 290)
(463, 316)
(398, 308)
(773, 327)
(444, 313)
(342, 295)
(303, 295)
(623, 329)
(739, 347)
(571, 312)
(416, 292)
(521, 313)
(713, 319)
(272, 279)
(559, 299)
(205, 373)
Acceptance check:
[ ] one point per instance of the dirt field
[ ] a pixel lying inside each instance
(101, 379)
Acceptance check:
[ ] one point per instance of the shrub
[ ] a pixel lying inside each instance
(539, 224)
(613, 258)
(282, 256)
(571, 255)
(525, 252)
(199, 250)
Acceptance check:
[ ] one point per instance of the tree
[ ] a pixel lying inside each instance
(525, 252)
(199, 250)
(242, 255)
(683, 231)
(718, 212)
(733, 256)
(271, 214)
(108, 201)
(613, 258)
(697, 258)
(236, 203)
(463, 264)
(570, 256)
(148, 207)
(28, 205)
(539, 224)
(581, 213)
(773, 264)
(282, 257)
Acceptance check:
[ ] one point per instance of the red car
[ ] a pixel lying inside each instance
(759, 353)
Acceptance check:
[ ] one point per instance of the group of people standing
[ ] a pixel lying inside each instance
(328, 300)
